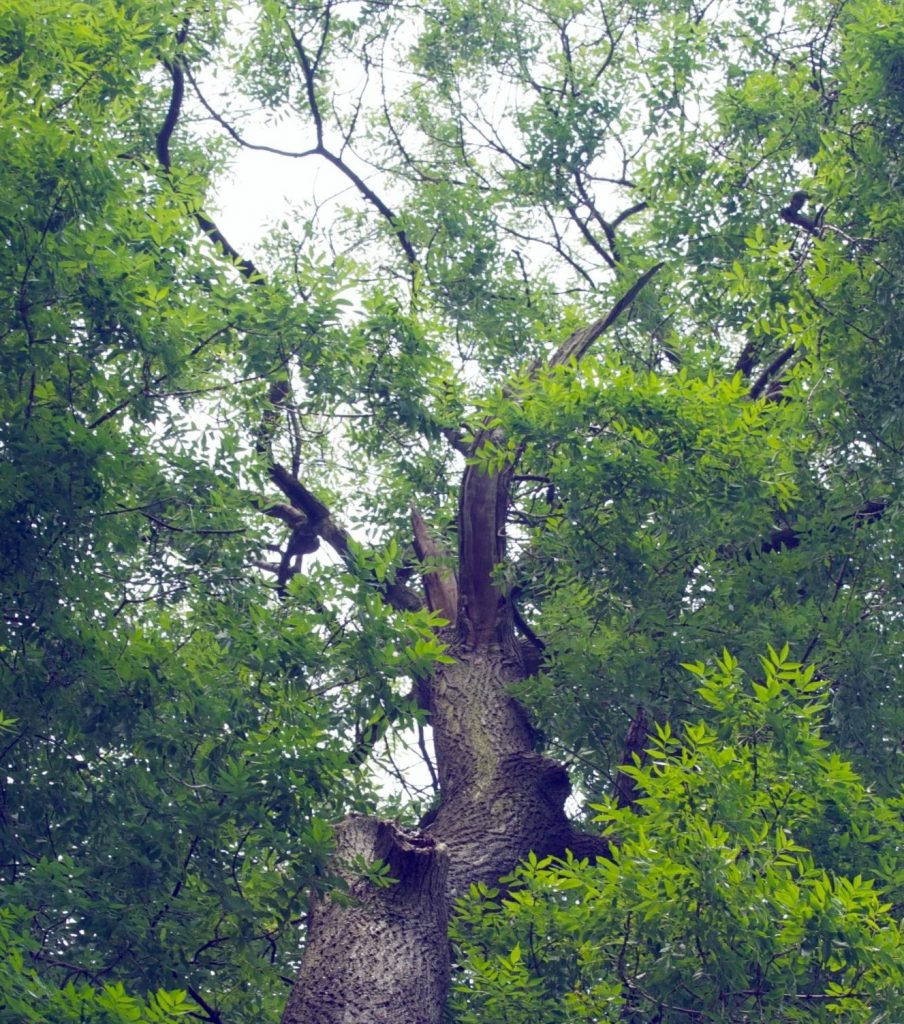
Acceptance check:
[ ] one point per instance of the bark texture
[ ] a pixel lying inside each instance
(500, 799)
(382, 956)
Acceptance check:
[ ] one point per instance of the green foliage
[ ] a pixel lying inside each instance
(723, 469)
(171, 755)
(756, 877)
(28, 998)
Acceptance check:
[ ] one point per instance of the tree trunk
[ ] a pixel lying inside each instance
(382, 956)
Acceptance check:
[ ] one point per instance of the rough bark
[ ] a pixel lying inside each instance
(382, 957)
(500, 799)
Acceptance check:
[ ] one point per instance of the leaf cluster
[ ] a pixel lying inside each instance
(756, 877)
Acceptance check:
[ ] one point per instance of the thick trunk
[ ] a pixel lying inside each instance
(377, 954)
(382, 957)
(499, 799)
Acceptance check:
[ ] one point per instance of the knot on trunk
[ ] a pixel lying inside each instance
(414, 860)
(545, 777)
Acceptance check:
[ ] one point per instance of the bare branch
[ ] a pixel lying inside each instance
(177, 72)
(320, 523)
(770, 371)
(579, 342)
(440, 585)
(589, 237)
(629, 212)
(308, 71)
(235, 135)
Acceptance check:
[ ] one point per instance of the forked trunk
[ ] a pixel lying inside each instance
(382, 957)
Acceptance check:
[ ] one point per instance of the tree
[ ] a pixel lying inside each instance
(598, 374)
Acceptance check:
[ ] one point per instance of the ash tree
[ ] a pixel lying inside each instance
(479, 600)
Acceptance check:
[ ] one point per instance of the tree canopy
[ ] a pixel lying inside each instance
(558, 444)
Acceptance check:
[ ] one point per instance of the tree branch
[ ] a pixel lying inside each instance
(579, 342)
(440, 585)
(770, 371)
(213, 1015)
(177, 72)
(320, 523)
(235, 135)
(486, 610)
(308, 71)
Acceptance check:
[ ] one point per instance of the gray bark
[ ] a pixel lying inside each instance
(382, 957)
